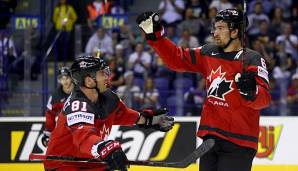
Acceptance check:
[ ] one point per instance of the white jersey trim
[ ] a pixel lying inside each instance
(79, 117)
(94, 150)
(49, 104)
(262, 72)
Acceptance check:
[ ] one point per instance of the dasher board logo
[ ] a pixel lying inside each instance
(268, 141)
(219, 85)
(20, 139)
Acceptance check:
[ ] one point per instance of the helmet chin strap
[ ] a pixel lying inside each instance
(229, 42)
(95, 87)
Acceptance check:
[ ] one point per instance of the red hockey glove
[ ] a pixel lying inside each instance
(149, 22)
(246, 84)
(111, 152)
(157, 119)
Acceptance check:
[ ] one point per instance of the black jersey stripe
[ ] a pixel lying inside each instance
(193, 56)
(229, 134)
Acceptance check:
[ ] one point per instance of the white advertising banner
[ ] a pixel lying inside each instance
(277, 150)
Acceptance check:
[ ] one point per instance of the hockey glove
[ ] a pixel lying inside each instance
(149, 22)
(157, 119)
(111, 152)
(45, 138)
(246, 84)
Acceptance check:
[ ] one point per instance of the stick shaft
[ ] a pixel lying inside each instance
(191, 158)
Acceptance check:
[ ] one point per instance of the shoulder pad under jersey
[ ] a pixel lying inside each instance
(78, 110)
(210, 49)
(253, 58)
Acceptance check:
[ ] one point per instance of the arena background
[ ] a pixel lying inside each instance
(33, 47)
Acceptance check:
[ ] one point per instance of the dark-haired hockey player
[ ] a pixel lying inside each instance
(87, 117)
(236, 82)
(56, 102)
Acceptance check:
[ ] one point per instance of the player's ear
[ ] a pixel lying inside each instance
(234, 33)
(88, 80)
(59, 81)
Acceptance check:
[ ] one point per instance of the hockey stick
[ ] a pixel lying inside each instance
(197, 153)
(244, 34)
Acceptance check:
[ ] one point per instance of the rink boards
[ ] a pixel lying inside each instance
(278, 150)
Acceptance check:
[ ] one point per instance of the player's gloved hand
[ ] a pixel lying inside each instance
(150, 23)
(157, 119)
(246, 84)
(111, 152)
(45, 138)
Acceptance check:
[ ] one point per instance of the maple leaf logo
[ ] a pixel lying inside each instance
(104, 132)
(219, 86)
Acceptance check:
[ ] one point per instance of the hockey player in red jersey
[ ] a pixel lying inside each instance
(87, 117)
(236, 82)
(56, 102)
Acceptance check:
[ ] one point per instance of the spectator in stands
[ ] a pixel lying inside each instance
(265, 35)
(194, 25)
(162, 70)
(171, 33)
(7, 47)
(187, 40)
(199, 8)
(280, 71)
(116, 76)
(208, 26)
(100, 40)
(259, 46)
(277, 21)
(221, 4)
(194, 98)
(127, 38)
(115, 36)
(288, 41)
(120, 57)
(267, 39)
(275, 104)
(9, 60)
(267, 6)
(97, 8)
(285, 5)
(294, 19)
(7, 9)
(171, 11)
(7, 57)
(149, 97)
(35, 39)
(293, 95)
(116, 8)
(64, 18)
(255, 19)
(139, 61)
(129, 92)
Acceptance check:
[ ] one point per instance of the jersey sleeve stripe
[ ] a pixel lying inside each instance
(193, 56)
(229, 134)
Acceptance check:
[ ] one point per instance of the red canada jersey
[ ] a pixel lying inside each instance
(225, 112)
(82, 124)
(54, 106)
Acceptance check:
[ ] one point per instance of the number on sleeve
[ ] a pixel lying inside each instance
(263, 62)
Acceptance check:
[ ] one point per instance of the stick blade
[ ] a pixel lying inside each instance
(198, 153)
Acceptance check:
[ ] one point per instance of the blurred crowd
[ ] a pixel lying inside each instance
(139, 76)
